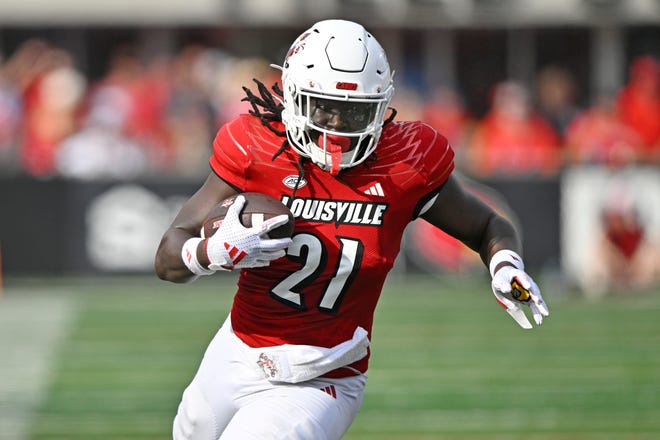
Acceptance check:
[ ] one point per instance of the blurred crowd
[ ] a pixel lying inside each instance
(158, 117)
(141, 118)
(539, 131)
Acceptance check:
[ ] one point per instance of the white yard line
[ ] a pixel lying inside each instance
(32, 326)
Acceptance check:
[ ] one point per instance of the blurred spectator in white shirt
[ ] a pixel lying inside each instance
(100, 149)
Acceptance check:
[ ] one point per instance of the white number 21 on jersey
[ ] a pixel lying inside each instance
(309, 250)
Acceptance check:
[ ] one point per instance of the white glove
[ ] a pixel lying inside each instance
(513, 287)
(233, 246)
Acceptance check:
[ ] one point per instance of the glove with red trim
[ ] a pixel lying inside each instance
(233, 246)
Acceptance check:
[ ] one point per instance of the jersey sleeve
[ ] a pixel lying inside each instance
(231, 156)
(439, 159)
(437, 166)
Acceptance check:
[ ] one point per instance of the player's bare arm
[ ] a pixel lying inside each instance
(187, 224)
(464, 216)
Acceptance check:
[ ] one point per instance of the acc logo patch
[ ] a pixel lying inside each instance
(291, 181)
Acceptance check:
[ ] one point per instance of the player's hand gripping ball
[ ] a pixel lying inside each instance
(257, 209)
(246, 231)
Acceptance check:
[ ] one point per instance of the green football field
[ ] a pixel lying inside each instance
(447, 363)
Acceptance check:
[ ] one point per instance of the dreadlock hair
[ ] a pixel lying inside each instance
(268, 108)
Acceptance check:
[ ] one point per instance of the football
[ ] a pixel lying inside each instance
(258, 207)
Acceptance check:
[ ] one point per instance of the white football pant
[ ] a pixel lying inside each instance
(231, 399)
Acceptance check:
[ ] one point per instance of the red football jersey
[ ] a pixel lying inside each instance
(347, 234)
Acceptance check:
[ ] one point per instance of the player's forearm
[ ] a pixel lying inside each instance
(169, 265)
(498, 234)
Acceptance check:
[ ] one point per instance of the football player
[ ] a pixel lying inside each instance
(290, 360)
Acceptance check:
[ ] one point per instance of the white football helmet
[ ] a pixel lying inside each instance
(337, 85)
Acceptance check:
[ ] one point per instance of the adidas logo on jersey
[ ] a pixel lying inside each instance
(375, 190)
